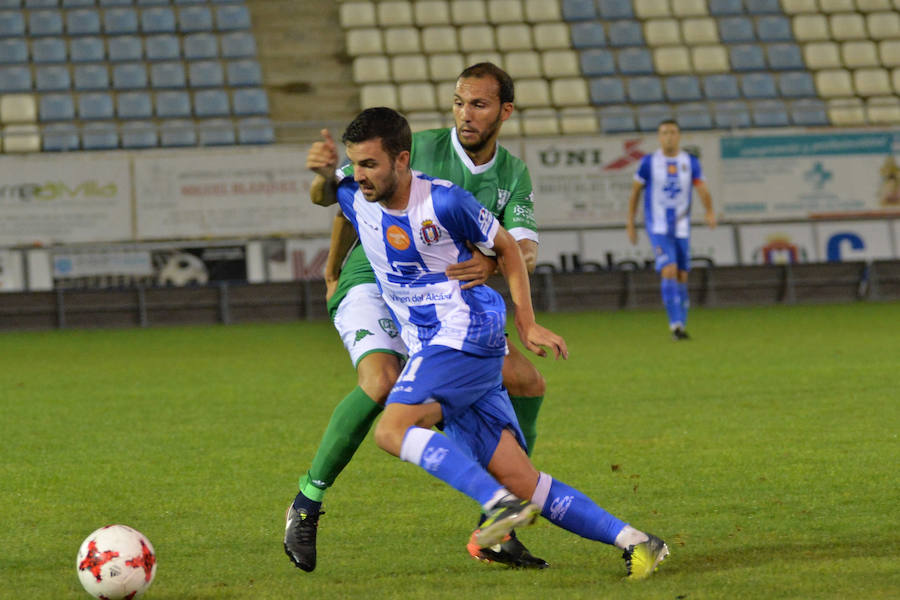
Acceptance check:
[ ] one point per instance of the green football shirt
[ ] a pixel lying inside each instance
(502, 185)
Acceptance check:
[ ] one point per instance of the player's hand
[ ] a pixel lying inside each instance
(711, 219)
(538, 339)
(322, 157)
(474, 271)
(632, 234)
(330, 288)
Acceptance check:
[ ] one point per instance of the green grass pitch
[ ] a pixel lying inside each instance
(765, 451)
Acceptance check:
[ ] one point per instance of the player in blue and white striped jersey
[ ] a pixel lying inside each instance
(667, 177)
(412, 227)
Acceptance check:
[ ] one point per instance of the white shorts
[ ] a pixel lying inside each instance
(365, 325)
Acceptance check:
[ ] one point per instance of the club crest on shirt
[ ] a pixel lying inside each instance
(397, 238)
(672, 168)
(429, 233)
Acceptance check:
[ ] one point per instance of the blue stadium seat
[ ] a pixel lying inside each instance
(86, 49)
(809, 113)
(173, 104)
(725, 7)
(211, 103)
(52, 78)
(796, 84)
(597, 61)
(626, 33)
(649, 116)
(139, 134)
(181, 2)
(216, 132)
(134, 105)
(240, 44)
(615, 9)
(588, 34)
(91, 77)
(244, 73)
(769, 113)
(99, 136)
(45, 22)
(250, 101)
(734, 30)
(774, 29)
(129, 76)
(106, 3)
(198, 46)
(763, 7)
(607, 90)
(77, 3)
(12, 23)
(206, 73)
(731, 114)
(118, 21)
(758, 86)
(162, 47)
(232, 17)
(177, 133)
(13, 50)
(56, 107)
(614, 119)
(747, 57)
(693, 116)
(158, 19)
(683, 88)
(643, 89)
(193, 19)
(48, 50)
(720, 87)
(95, 105)
(578, 10)
(784, 57)
(4, 4)
(16, 78)
(255, 130)
(635, 61)
(167, 75)
(83, 21)
(60, 137)
(125, 48)
(152, 2)
(32, 4)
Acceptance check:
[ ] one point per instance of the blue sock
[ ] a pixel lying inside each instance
(685, 299)
(440, 457)
(568, 508)
(672, 301)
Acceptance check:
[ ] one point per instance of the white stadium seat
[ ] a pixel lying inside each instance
(569, 91)
(689, 8)
(395, 13)
(468, 12)
(822, 55)
(409, 67)
(883, 110)
(417, 96)
(540, 121)
(889, 53)
(836, 6)
(651, 9)
(810, 28)
(848, 26)
(431, 12)
(551, 35)
(578, 120)
(701, 30)
(445, 67)
(439, 38)
(402, 40)
(883, 25)
(662, 32)
(860, 54)
(834, 83)
(356, 14)
(540, 11)
(514, 37)
(364, 41)
(475, 38)
(871, 82)
(846, 112)
(378, 94)
(560, 63)
(505, 11)
(371, 69)
(531, 93)
(524, 64)
(710, 59)
(672, 60)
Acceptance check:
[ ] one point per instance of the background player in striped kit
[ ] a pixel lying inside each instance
(469, 156)
(667, 178)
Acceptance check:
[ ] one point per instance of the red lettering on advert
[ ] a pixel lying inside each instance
(264, 187)
(212, 189)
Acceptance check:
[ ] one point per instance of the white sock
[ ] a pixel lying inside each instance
(629, 536)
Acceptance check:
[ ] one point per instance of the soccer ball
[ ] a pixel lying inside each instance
(116, 562)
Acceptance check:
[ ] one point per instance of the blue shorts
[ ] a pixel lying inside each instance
(469, 388)
(669, 249)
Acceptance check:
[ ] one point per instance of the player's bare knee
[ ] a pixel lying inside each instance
(522, 378)
(377, 378)
(388, 437)
(669, 271)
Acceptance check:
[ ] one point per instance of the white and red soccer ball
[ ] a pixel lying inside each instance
(116, 562)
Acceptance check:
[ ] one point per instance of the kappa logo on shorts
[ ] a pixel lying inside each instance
(433, 457)
(361, 334)
(397, 238)
(389, 327)
(559, 507)
(429, 233)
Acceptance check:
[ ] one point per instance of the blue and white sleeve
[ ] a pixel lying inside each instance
(465, 218)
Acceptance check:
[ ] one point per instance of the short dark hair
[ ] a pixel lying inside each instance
(507, 89)
(380, 122)
(669, 122)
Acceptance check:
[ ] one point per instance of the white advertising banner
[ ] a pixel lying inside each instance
(840, 241)
(777, 244)
(296, 259)
(135, 263)
(255, 192)
(799, 176)
(11, 275)
(611, 248)
(586, 181)
(78, 197)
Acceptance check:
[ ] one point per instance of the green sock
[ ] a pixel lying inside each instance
(349, 424)
(527, 408)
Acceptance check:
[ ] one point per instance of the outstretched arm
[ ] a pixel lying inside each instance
(533, 336)
(322, 159)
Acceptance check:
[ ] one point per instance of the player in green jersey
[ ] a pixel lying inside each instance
(469, 156)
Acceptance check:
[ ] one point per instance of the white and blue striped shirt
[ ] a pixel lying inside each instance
(668, 188)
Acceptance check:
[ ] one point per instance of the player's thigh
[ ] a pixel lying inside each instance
(664, 253)
(683, 256)
(520, 376)
(511, 466)
(365, 324)
(396, 420)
